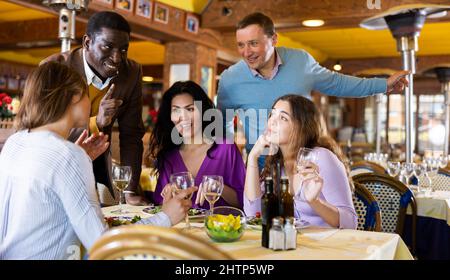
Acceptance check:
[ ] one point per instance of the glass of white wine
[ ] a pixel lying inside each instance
(212, 188)
(183, 181)
(121, 176)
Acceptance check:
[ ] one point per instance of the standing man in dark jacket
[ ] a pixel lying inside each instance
(115, 92)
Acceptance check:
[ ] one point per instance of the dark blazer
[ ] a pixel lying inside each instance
(128, 88)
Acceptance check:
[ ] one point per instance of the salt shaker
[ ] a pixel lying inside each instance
(276, 234)
(290, 234)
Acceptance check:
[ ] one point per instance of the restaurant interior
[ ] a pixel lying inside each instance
(397, 144)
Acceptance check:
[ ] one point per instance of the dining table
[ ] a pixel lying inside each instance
(312, 243)
(432, 225)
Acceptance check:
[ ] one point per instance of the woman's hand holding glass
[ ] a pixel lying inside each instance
(310, 183)
(176, 206)
(182, 181)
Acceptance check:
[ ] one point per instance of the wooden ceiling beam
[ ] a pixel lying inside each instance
(288, 14)
(154, 31)
(33, 33)
(351, 66)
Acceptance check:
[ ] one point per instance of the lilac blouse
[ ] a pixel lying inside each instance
(225, 160)
(335, 191)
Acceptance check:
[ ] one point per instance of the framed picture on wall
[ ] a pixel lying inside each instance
(125, 5)
(144, 8)
(161, 13)
(192, 23)
(3, 81)
(107, 3)
(13, 83)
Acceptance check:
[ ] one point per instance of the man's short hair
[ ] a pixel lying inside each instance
(106, 19)
(260, 19)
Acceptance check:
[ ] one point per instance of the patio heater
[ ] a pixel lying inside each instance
(442, 73)
(405, 23)
(67, 11)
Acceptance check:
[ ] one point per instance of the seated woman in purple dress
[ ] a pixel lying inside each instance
(180, 143)
(321, 189)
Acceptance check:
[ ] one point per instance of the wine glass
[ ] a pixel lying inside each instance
(121, 176)
(393, 168)
(442, 161)
(305, 156)
(419, 170)
(408, 171)
(182, 181)
(426, 185)
(212, 187)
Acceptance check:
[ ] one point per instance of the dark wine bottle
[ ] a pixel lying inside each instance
(286, 201)
(269, 210)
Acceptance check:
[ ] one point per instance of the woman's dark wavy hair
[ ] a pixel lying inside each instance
(308, 132)
(160, 141)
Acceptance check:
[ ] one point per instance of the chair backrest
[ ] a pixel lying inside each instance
(366, 167)
(157, 242)
(393, 199)
(366, 206)
(6, 123)
(441, 181)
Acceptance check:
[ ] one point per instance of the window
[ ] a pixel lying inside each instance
(431, 126)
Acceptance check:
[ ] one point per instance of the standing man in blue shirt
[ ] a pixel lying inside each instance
(267, 72)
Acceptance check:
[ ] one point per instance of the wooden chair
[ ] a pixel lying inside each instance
(6, 123)
(441, 181)
(366, 206)
(393, 198)
(366, 167)
(142, 241)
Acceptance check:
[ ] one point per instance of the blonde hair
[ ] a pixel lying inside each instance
(48, 94)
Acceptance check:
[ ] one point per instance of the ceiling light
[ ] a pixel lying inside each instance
(337, 66)
(313, 22)
(147, 79)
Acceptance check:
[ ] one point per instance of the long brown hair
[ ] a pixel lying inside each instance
(47, 94)
(307, 132)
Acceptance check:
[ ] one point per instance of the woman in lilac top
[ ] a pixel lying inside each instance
(180, 143)
(322, 190)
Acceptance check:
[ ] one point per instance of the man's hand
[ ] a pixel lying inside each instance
(95, 145)
(107, 108)
(396, 82)
(136, 200)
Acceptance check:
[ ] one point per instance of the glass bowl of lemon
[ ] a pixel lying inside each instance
(225, 224)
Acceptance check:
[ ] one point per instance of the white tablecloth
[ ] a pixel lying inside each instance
(437, 206)
(312, 243)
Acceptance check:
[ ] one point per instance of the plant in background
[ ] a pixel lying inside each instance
(152, 117)
(6, 108)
